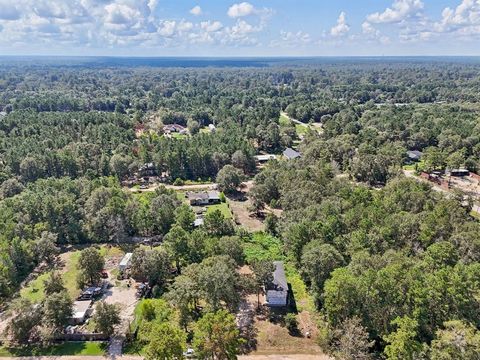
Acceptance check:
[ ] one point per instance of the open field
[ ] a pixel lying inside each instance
(82, 348)
(223, 207)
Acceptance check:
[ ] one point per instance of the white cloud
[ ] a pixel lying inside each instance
(341, 28)
(400, 10)
(9, 11)
(211, 26)
(464, 20)
(196, 11)
(240, 10)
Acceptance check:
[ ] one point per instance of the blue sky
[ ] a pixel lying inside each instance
(237, 28)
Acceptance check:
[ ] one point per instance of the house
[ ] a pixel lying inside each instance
(125, 262)
(277, 291)
(169, 128)
(414, 155)
(291, 154)
(264, 158)
(81, 311)
(148, 169)
(203, 198)
(459, 172)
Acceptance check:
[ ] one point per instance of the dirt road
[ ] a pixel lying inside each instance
(211, 186)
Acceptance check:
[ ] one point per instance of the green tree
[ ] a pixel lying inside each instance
(184, 217)
(216, 336)
(152, 266)
(53, 283)
(177, 242)
(216, 224)
(263, 274)
(229, 179)
(57, 310)
(22, 327)
(46, 249)
(106, 317)
(352, 341)
(166, 342)
(90, 265)
(458, 340)
(402, 343)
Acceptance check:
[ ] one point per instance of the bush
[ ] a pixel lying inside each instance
(178, 182)
(291, 324)
(222, 197)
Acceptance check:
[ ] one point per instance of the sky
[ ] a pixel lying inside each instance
(220, 28)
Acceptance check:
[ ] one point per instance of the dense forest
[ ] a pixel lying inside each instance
(393, 266)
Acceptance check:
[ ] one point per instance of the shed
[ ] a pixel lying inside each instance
(459, 172)
(81, 311)
(277, 291)
(414, 155)
(125, 262)
(265, 158)
(291, 154)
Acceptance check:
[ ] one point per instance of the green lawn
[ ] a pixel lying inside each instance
(414, 166)
(224, 209)
(266, 247)
(284, 121)
(176, 135)
(35, 289)
(301, 129)
(83, 348)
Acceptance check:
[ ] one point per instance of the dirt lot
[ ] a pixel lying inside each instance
(242, 215)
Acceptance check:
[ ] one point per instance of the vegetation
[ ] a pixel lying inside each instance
(390, 266)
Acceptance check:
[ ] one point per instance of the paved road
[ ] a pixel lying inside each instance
(130, 357)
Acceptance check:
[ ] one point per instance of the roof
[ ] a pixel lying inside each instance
(265, 157)
(80, 308)
(291, 154)
(414, 154)
(176, 127)
(277, 292)
(213, 195)
(198, 222)
(126, 259)
(204, 195)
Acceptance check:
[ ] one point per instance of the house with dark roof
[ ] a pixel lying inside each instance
(203, 198)
(291, 154)
(277, 290)
(169, 128)
(414, 155)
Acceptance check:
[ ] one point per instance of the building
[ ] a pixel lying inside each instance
(277, 291)
(414, 155)
(148, 169)
(169, 128)
(459, 172)
(125, 262)
(203, 198)
(81, 311)
(264, 158)
(291, 154)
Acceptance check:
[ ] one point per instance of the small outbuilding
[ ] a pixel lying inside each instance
(291, 154)
(82, 309)
(459, 172)
(125, 262)
(263, 158)
(277, 291)
(414, 155)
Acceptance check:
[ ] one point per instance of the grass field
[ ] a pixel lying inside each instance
(301, 129)
(224, 209)
(35, 289)
(82, 348)
(284, 121)
(414, 166)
